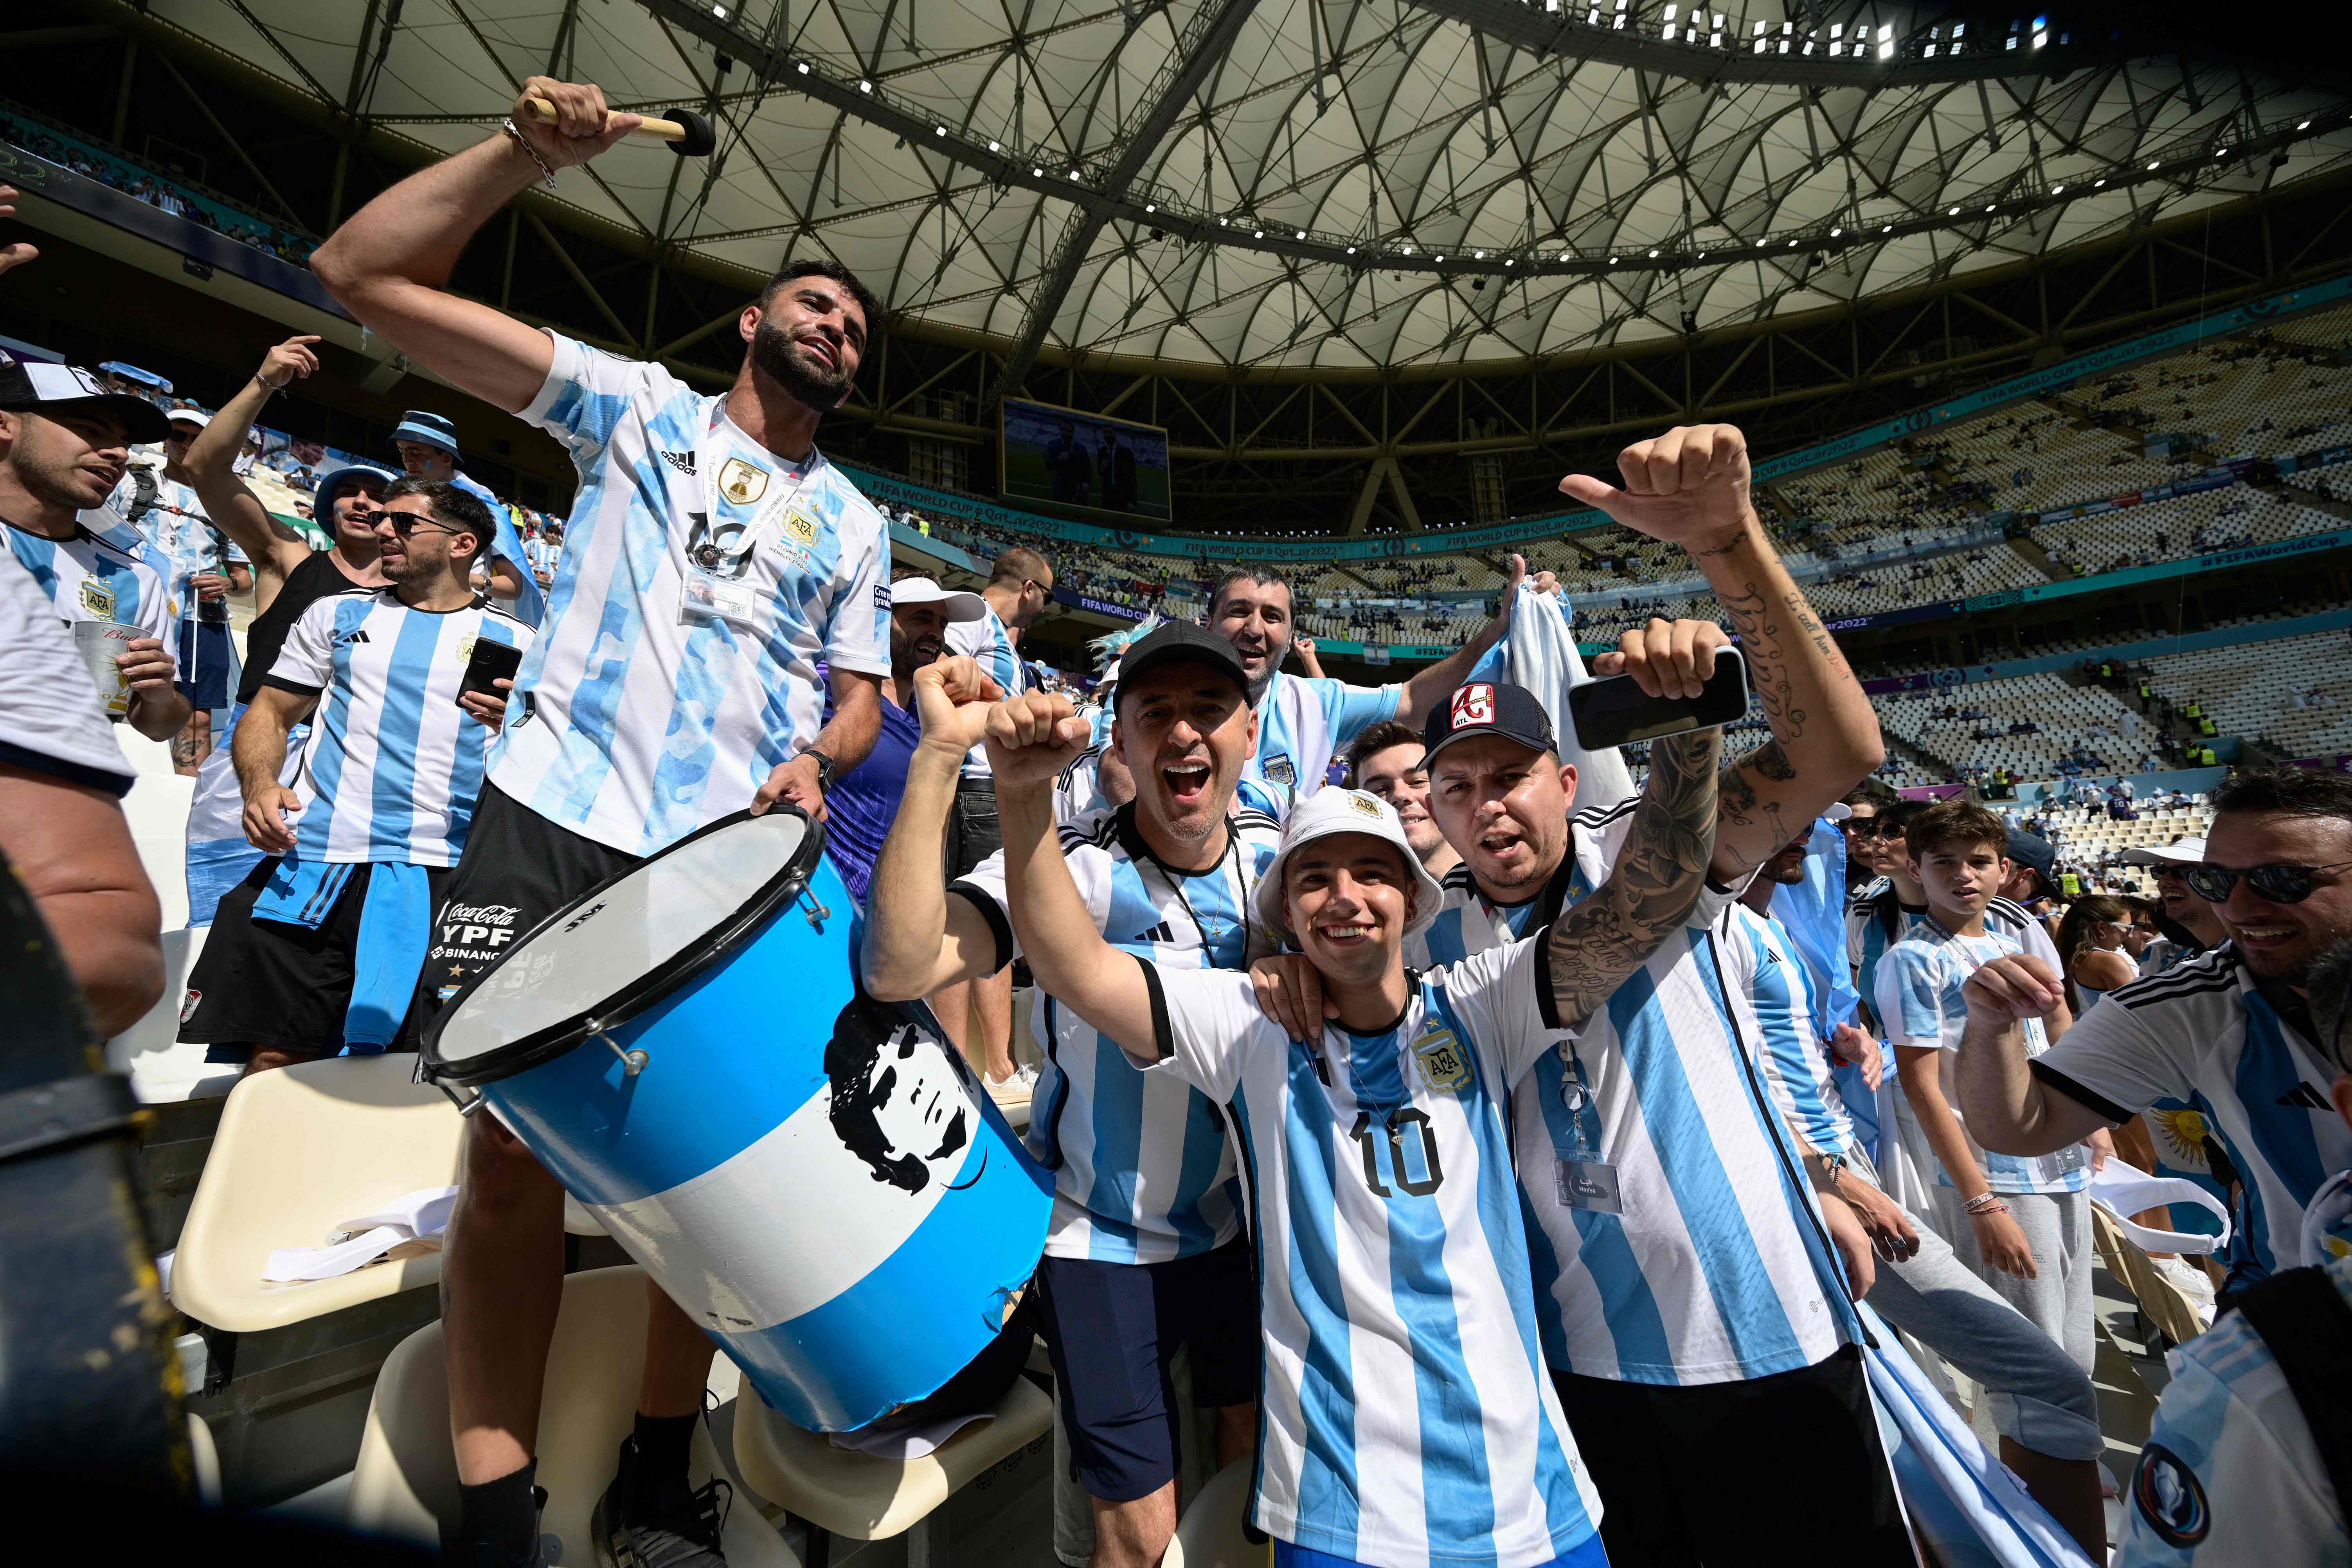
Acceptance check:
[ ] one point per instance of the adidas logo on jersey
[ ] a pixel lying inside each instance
(2304, 1095)
(682, 461)
(358, 636)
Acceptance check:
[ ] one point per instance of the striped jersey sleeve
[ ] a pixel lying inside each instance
(987, 641)
(1769, 979)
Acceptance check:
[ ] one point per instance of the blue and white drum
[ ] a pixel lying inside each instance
(816, 1177)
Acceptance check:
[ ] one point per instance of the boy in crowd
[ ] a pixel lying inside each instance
(1387, 761)
(2024, 1225)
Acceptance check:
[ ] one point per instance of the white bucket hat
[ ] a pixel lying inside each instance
(1335, 810)
(2185, 852)
(960, 605)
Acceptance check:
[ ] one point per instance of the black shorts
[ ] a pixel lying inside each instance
(205, 655)
(1685, 1475)
(973, 832)
(517, 870)
(264, 983)
(1113, 1328)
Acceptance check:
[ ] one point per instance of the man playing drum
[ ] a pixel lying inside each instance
(1144, 1251)
(713, 558)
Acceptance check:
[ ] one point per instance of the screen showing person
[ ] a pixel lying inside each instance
(901, 1102)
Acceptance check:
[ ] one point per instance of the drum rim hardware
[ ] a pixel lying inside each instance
(601, 1015)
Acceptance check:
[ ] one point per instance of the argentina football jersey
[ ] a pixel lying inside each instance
(678, 668)
(988, 642)
(1772, 994)
(1303, 720)
(1670, 1238)
(1406, 1418)
(393, 766)
(86, 578)
(1922, 1005)
(1142, 1169)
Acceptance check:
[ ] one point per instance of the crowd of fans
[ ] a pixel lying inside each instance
(156, 190)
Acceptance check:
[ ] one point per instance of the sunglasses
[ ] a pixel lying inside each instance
(405, 524)
(2278, 884)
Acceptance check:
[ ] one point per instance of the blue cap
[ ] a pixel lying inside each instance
(322, 500)
(427, 429)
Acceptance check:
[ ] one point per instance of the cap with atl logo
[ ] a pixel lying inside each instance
(1488, 708)
(31, 386)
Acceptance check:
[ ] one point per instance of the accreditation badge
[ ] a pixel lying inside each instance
(742, 483)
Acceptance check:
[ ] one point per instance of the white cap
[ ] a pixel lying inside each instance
(1335, 810)
(960, 605)
(2181, 852)
(196, 416)
(1836, 811)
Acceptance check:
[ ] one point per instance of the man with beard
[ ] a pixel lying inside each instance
(289, 576)
(1144, 1252)
(1386, 760)
(283, 978)
(65, 443)
(864, 801)
(1305, 721)
(2229, 1032)
(1019, 586)
(713, 556)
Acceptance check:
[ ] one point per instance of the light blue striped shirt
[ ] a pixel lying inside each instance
(1406, 1418)
(988, 641)
(1771, 980)
(1142, 1172)
(1303, 721)
(1714, 1268)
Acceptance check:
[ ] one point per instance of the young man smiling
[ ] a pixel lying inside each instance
(1143, 1253)
(1388, 760)
(1407, 1421)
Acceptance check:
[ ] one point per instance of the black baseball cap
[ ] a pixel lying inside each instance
(33, 386)
(1178, 642)
(2034, 853)
(1487, 708)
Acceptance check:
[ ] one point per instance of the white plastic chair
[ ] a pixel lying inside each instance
(1212, 1532)
(299, 1149)
(404, 1484)
(860, 1497)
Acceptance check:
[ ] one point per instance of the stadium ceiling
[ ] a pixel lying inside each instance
(1341, 184)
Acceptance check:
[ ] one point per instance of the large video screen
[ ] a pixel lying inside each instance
(1067, 459)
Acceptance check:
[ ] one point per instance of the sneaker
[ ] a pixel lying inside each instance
(685, 1535)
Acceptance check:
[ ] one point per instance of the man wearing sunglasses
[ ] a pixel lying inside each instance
(2230, 1031)
(321, 947)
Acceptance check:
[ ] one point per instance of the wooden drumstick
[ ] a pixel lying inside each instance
(688, 134)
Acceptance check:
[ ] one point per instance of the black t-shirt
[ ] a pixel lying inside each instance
(305, 585)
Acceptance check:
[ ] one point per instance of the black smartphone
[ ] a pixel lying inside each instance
(1614, 712)
(492, 662)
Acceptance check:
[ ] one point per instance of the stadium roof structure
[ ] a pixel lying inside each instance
(1341, 184)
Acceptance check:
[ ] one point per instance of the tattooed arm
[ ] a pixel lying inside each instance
(1652, 889)
(1690, 487)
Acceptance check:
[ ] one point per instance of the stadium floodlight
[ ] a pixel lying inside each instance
(1989, 206)
(1613, 261)
(1408, 250)
(719, 12)
(1835, 232)
(939, 129)
(1888, 229)
(1352, 250)
(1886, 51)
(1762, 243)
(1760, 26)
(1837, 29)
(995, 147)
(1151, 206)
(1653, 256)
(1835, 49)
(802, 67)
(1257, 233)
(1702, 256)
(1954, 212)
(865, 86)
(1441, 259)
(2303, 125)
(2097, 182)
(1478, 256)
(1036, 173)
(2057, 190)
(2153, 164)
(1506, 261)
(1302, 234)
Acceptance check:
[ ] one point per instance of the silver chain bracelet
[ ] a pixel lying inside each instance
(529, 151)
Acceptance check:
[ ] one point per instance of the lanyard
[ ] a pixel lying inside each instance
(730, 560)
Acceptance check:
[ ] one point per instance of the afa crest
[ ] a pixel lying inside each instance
(799, 526)
(1444, 1067)
(97, 599)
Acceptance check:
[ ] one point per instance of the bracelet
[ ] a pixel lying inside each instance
(1984, 1203)
(529, 151)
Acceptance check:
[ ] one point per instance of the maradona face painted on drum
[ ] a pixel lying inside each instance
(899, 1105)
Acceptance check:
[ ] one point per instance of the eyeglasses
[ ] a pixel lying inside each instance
(405, 524)
(2279, 884)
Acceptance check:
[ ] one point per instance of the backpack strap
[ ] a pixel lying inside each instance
(2304, 1320)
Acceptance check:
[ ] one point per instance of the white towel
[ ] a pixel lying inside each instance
(353, 1244)
(1540, 654)
(2123, 1190)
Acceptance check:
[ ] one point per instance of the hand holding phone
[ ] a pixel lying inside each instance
(1615, 710)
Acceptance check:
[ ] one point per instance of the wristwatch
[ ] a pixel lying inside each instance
(825, 769)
